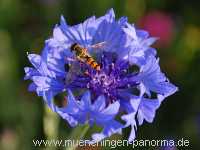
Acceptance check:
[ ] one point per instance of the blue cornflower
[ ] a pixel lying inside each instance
(129, 83)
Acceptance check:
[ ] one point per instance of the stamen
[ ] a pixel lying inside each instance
(108, 80)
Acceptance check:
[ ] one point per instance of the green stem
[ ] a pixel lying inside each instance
(77, 134)
(51, 122)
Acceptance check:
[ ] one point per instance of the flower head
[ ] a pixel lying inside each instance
(113, 78)
(129, 83)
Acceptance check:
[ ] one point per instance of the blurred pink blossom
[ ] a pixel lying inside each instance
(158, 24)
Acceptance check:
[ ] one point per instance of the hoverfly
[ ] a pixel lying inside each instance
(83, 55)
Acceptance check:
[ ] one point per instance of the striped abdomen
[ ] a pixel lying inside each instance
(82, 55)
(91, 62)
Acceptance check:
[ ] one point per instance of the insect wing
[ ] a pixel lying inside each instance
(100, 45)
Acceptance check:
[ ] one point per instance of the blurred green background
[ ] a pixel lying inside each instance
(24, 26)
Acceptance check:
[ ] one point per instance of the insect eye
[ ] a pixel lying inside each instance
(73, 46)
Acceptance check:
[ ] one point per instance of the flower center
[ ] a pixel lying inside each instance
(103, 80)
(112, 78)
(102, 83)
